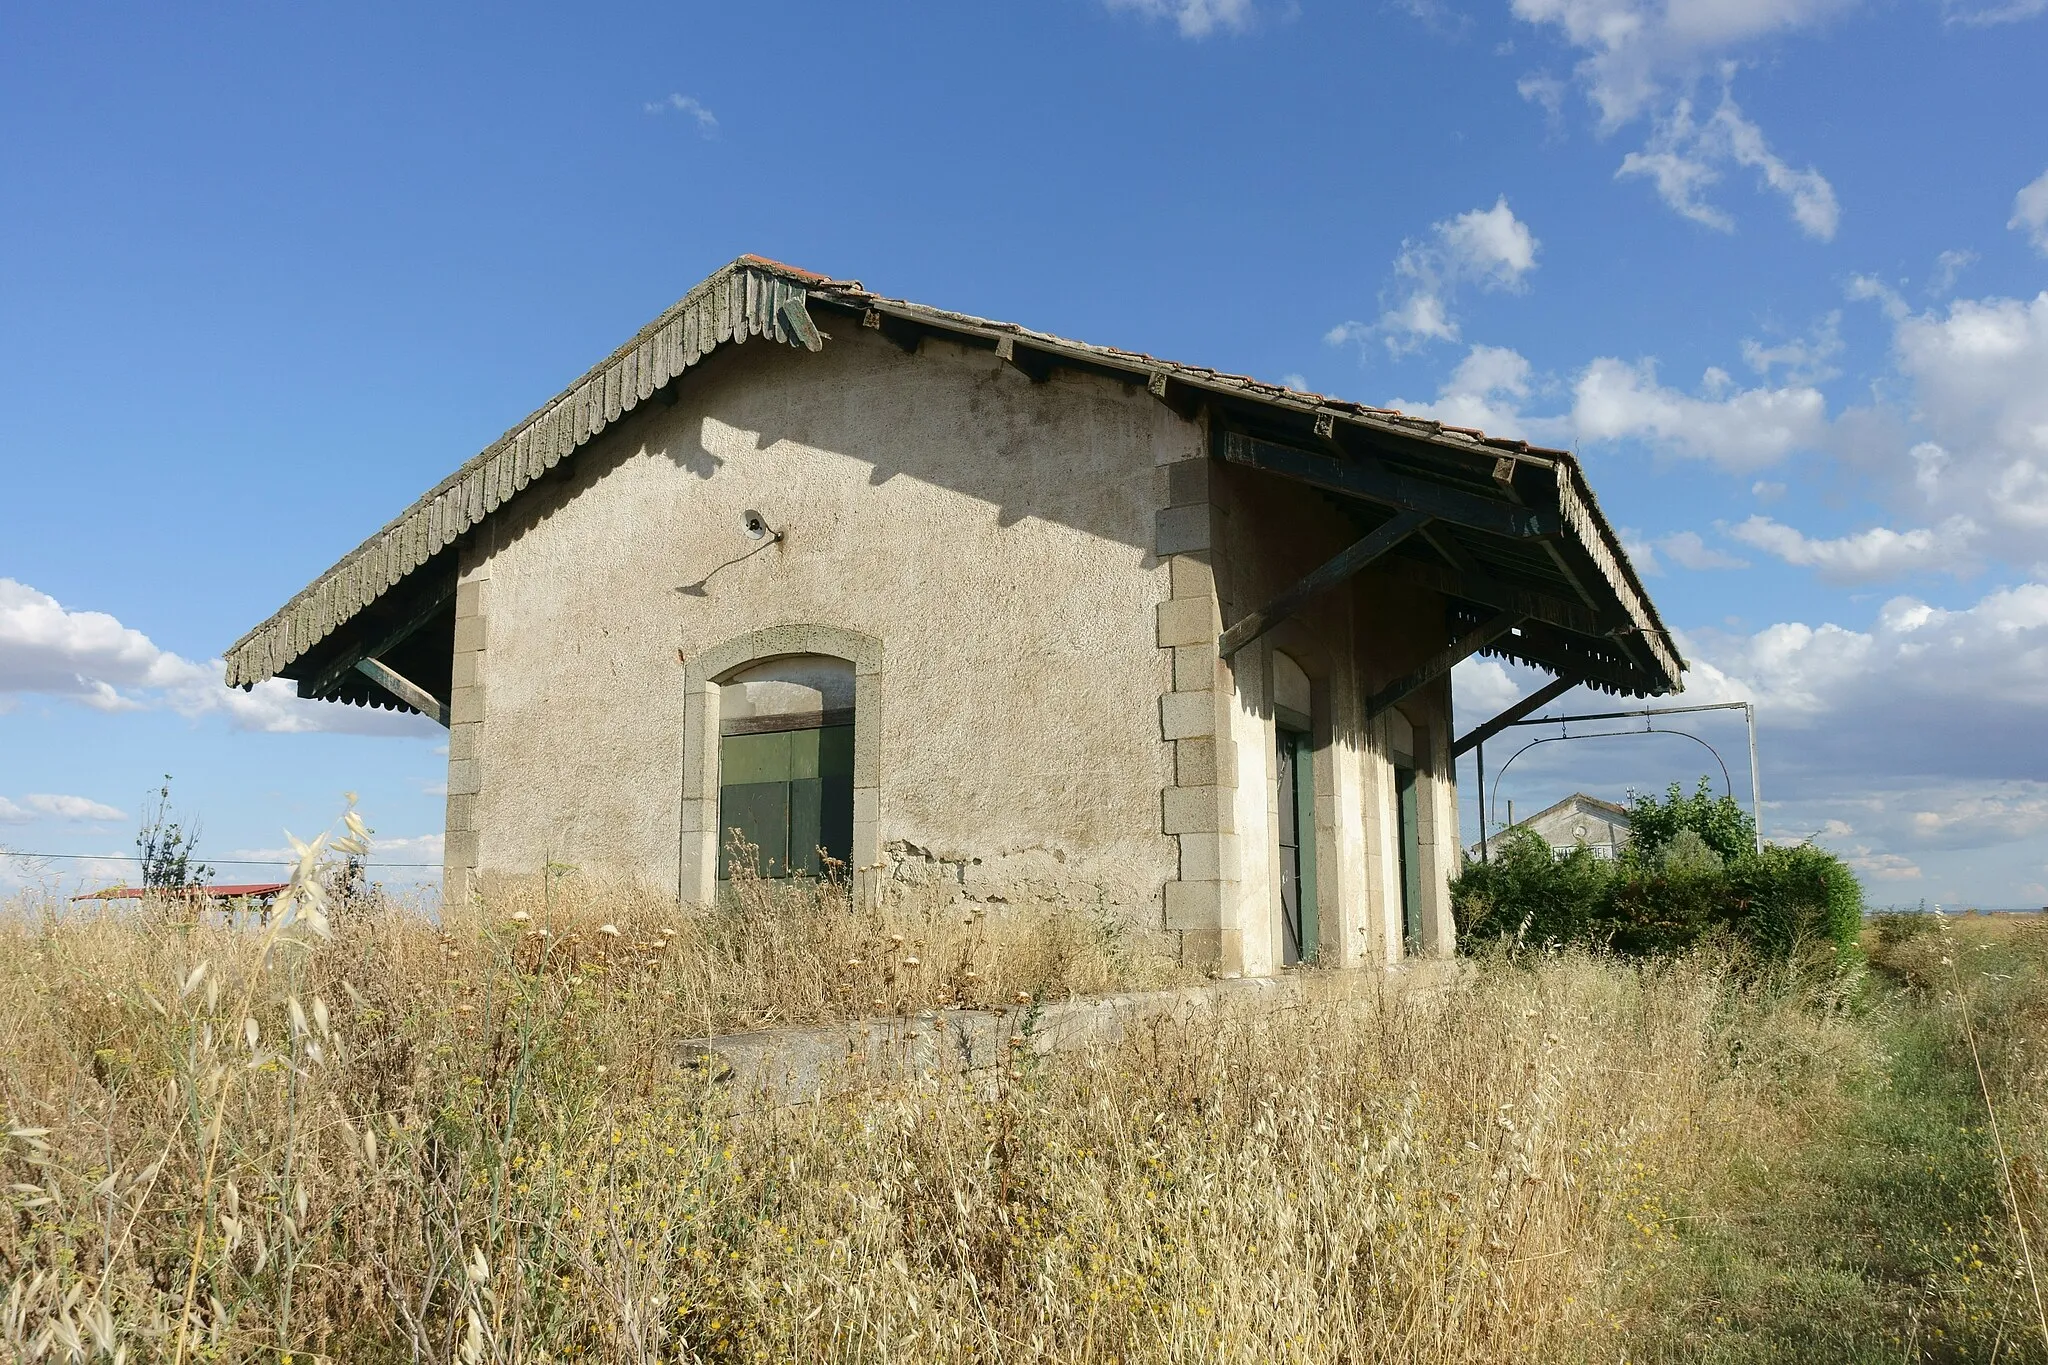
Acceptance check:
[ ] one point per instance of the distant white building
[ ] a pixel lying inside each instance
(1579, 819)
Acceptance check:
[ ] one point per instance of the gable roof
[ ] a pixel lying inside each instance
(1583, 802)
(1608, 633)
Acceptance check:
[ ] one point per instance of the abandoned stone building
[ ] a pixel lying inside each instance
(1602, 827)
(869, 581)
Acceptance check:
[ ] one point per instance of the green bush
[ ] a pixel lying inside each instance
(1721, 824)
(1691, 870)
(1792, 896)
(1527, 892)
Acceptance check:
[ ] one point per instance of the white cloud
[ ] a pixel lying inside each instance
(1546, 92)
(1484, 393)
(2030, 208)
(46, 649)
(1969, 435)
(1645, 57)
(1194, 18)
(1688, 551)
(1870, 555)
(1487, 248)
(1436, 16)
(690, 107)
(1483, 688)
(1974, 819)
(420, 848)
(1420, 317)
(42, 806)
(1868, 288)
(1681, 159)
(1489, 245)
(1950, 264)
(1641, 552)
(1638, 50)
(1920, 675)
(2011, 12)
(1738, 429)
(1805, 360)
(1680, 181)
(90, 658)
(1882, 867)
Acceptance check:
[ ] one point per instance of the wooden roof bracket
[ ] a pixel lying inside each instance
(1340, 568)
(1535, 701)
(906, 334)
(1185, 401)
(1034, 365)
(1371, 481)
(1443, 661)
(422, 612)
(405, 689)
(1489, 592)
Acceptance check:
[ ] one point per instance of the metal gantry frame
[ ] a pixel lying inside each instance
(1476, 741)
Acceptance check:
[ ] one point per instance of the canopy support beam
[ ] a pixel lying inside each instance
(1362, 477)
(1347, 563)
(405, 689)
(1460, 649)
(1541, 697)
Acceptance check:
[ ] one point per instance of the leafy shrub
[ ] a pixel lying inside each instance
(1528, 892)
(1795, 895)
(1692, 870)
(1902, 926)
(1716, 821)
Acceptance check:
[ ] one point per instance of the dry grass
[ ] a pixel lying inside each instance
(472, 1143)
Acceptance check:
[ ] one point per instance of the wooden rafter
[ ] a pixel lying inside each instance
(1342, 566)
(1368, 479)
(405, 689)
(421, 612)
(1443, 661)
(1536, 700)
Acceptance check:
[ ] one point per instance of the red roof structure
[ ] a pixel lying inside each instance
(218, 891)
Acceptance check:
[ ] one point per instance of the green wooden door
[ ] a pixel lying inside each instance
(1408, 819)
(1296, 769)
(789, 793)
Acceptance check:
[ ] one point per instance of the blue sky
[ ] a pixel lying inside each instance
(1777, 269)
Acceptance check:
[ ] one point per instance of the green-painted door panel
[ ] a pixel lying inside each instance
(1408, 814)
(826, 752)
(1305, 825)
(759, 812)
(790, 794)
(744, 759)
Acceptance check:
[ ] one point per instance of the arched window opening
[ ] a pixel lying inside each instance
(785, 764)
(1296, 802)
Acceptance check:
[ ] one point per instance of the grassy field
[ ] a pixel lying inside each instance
(469, 1142)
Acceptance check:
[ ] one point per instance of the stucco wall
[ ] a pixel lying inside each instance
(994, 535)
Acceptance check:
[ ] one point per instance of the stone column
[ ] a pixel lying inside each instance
(460, 851)
(1198, 808)
(1441, 853)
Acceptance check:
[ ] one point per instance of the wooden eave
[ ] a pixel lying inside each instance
(1588, 607)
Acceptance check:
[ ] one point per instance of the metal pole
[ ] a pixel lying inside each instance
(1756, 782)
(1479, 758)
